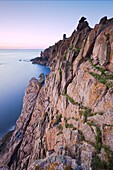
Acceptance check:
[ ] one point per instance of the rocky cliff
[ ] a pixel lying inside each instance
(68, 122)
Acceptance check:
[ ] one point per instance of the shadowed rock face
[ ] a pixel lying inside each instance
(4, 168)
(68, 122)
(82, 24)
(41, 79)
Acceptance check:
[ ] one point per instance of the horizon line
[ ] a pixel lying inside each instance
(21, 49)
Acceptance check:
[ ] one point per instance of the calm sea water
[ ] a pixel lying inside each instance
(15, 72)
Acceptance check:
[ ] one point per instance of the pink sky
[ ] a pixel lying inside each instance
(39, 24)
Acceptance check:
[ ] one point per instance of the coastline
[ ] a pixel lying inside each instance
(67, 123)
(15, 77)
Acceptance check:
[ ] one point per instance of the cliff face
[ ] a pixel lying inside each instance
(68, 122)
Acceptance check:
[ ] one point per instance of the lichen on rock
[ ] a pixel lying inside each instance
(68, 122)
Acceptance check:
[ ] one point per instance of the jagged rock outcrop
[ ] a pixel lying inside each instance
(68, 122)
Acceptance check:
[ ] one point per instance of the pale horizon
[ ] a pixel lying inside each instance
(40, 24)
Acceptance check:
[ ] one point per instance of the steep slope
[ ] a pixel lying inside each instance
(68, 122)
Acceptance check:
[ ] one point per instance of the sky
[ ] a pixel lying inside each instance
(38, 24)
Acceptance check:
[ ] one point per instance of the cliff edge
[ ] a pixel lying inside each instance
(68, 123)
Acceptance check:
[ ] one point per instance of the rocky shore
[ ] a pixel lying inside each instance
(67, 124)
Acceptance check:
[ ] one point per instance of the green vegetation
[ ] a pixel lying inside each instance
(90, 123)
(109, 153)
(110, 77)
(71, 66)
(70, 47)
(69, 125)
(98, 139)
(77, 50)
(102, 70)
(64, 91)
(60, 132)
(99, 164)
(103, 77)
(71, 100)
(98, 77)
(59, 118)
(60, 72)
(60, 127)
(107, 37)
(82, 138)
(65, 53)
(85, 112)
(64, 56)
(76, 119)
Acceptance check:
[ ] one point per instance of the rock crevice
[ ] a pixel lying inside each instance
(68, 122)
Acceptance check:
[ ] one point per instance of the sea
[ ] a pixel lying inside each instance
(15, 72)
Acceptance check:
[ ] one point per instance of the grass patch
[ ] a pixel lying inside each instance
(110, 77)
(99, 164)
(86, 112)
(60, 72)
(64, 56)
(60, 127)
(109, 153)
(90, 123)
(59, 117)
(102, 70)
(104, 77)
(65, 53)
(69, 125)
(71, 100)
(98, 77)
(98, 137)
